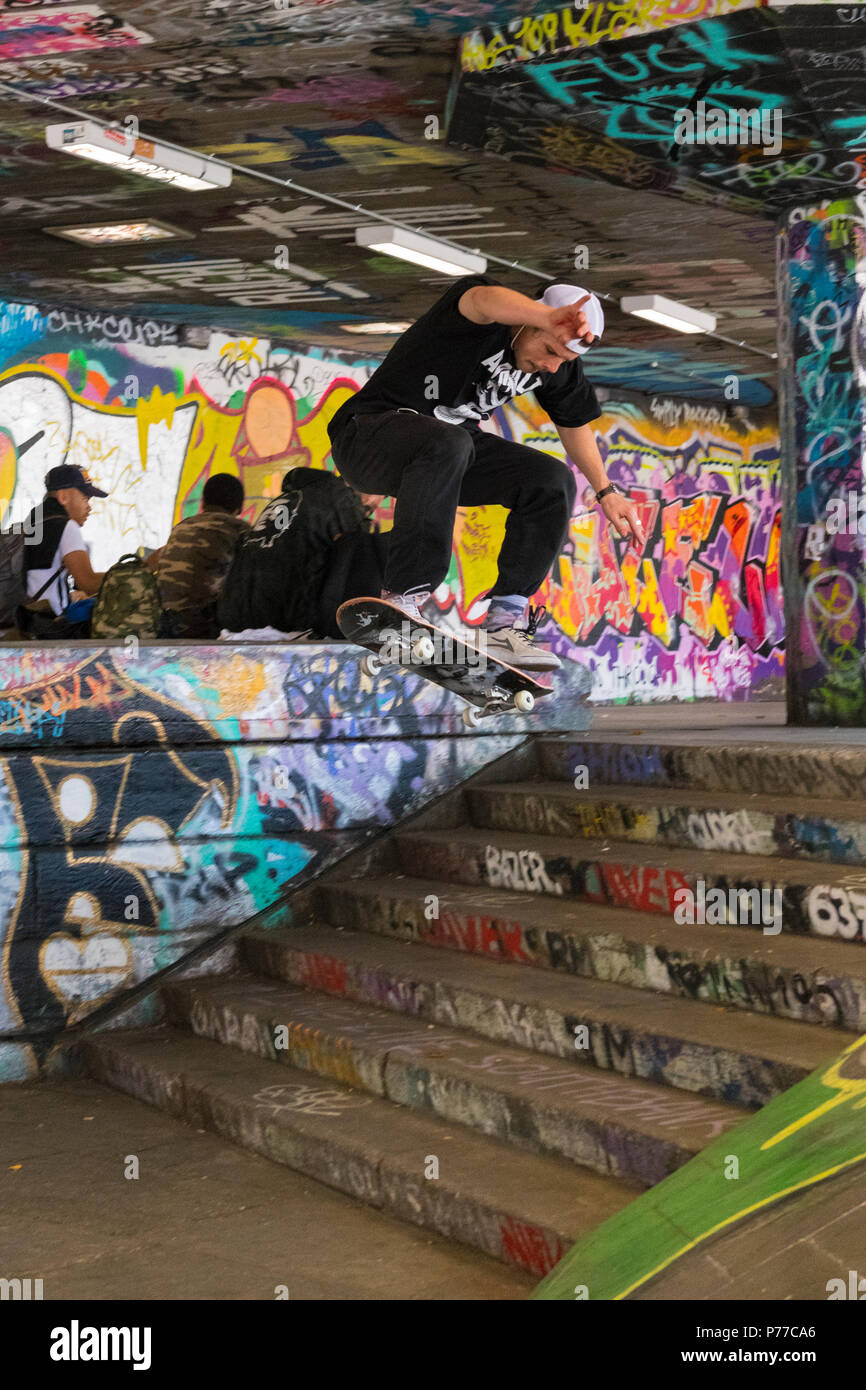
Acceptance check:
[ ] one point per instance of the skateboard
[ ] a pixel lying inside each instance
(393, 641)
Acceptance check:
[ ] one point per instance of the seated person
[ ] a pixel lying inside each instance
(192, 566)
(59, 556)
(280, 572)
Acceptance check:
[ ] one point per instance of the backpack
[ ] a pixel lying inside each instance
(13, 577)
(280, 566)
(127, 603)
(356, 570)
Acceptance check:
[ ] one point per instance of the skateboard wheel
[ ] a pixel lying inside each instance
(423, 649)
(371, 665)
(524, 701)
(471, 717)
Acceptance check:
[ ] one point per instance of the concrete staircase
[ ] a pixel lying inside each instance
(492, 1026)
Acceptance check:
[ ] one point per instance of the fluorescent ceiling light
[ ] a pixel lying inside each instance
(117, 233)
(420, 250)
(135, 155)
(386, 328)
(668, 313)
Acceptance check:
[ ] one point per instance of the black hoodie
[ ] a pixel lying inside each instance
(280, 566)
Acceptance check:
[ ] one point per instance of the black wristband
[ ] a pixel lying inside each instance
(611, 487)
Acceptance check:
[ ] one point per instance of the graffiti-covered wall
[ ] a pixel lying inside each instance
(151, 417)
(822, 352)
(697, 613)
(150, 798)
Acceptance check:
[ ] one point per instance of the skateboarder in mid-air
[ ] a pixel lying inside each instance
(412, 433)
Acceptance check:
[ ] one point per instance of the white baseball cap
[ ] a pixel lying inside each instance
(556, 296)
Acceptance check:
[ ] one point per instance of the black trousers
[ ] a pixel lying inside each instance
(430, 469)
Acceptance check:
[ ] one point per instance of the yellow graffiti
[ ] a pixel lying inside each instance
(849, 1088)
(646, 599)
(584, 532)
(239, 683)
(258, 441)
(313, 431)
(478, 536)
(583, 27)
(257, 151)
(7, 472)
(375, 149)
(159, 410)
(242, 352)
(562, 600)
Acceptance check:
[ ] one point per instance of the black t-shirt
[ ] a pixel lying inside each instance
(459, 372)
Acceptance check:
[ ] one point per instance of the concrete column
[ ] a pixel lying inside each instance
(822, 360)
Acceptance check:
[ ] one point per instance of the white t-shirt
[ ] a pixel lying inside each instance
(57, 594)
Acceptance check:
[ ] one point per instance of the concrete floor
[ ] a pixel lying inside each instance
(204, 1220)
(791, 1251)
(709, 722)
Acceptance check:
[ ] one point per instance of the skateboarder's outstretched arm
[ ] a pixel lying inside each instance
(496, 304)
(579, 443)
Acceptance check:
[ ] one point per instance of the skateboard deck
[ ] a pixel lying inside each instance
(395, 642)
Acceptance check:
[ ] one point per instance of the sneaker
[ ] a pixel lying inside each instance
(410, 603)
(514, 645)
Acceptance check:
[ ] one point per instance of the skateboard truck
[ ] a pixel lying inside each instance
(523, 701)
(422, 651)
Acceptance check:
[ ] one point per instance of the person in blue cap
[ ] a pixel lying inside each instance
(412, 433)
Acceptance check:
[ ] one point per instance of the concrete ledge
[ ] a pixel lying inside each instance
(57, 695)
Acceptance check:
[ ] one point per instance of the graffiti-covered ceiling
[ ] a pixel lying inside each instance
(526, 137)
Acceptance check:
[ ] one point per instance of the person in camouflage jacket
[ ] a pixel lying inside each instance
(193, 564)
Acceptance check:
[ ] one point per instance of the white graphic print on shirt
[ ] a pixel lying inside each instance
(504, 382)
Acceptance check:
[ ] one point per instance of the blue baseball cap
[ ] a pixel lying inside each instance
(68, 475)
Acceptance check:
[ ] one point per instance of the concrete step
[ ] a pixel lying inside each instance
(827, 900)
(546, 1107)
(521, 1208)
(822, 830)
(807, 978)
(744, 1059)
(802, 770)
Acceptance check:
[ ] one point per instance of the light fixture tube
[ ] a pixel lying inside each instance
(419, 249)
(668, 313)
(135, 155)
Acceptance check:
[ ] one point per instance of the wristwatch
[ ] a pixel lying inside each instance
(611, 487)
